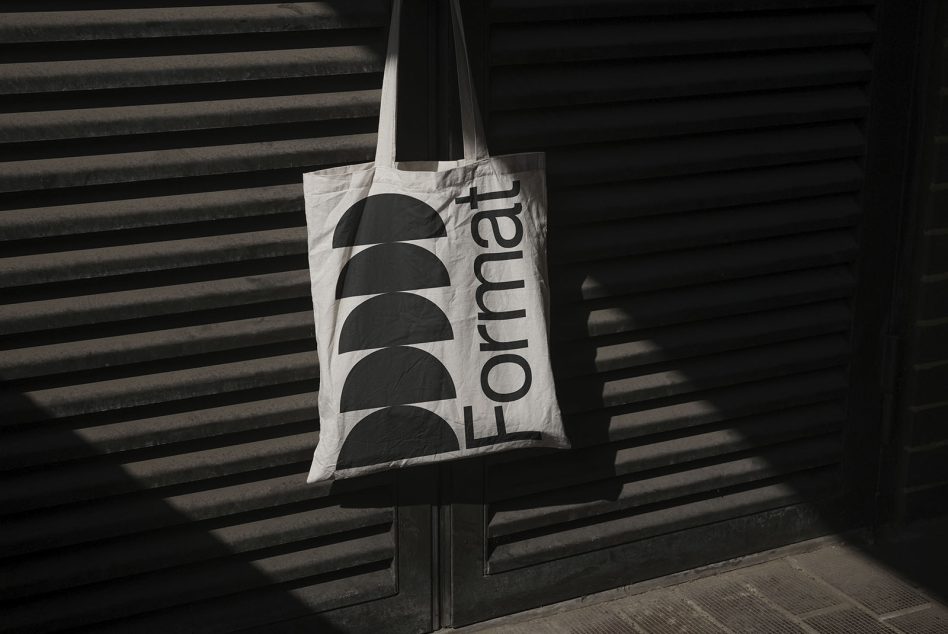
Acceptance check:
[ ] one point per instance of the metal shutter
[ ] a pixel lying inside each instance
(158, 354)
(706, 168)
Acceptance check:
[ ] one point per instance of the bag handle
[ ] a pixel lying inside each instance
(472, 129)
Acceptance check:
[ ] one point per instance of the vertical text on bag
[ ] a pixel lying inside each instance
(489, 319)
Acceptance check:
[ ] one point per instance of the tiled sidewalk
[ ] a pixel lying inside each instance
(832, 590)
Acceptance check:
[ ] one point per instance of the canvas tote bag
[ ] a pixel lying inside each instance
(430, 298)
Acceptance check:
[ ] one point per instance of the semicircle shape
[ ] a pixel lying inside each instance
(387, 218)
(393, 319)
(396, 433)
(391, 267)
(395, 376)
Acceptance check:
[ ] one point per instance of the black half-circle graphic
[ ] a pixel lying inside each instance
(393, 319)
(391, 267)
(395, 376)
(396, 433)
(387, 218)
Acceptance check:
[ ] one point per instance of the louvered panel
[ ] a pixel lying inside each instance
(223, 333)
(262, 492)
(604, 82)
(164, 589)
(525, 10)
(77, 394)
(705, 171)
(578, 124)
(82, 480)
(668, 157)
(547, 43)
(651, 522)
(222, 159)
(704, 407)
(649, 482)
(256, 609)
(607, 278)
(544, 475)
(692, 192)
(164, 70)
(43, 268)
(708, 300)
(93, 304)
(698, 338)
(685, 230)
(110, 215)
(620, 387)
(158, 359)
(185, 20)
(137, 554)
(155, 425)
(198, 115)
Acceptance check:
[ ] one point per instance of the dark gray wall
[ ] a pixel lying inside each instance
(923, 406)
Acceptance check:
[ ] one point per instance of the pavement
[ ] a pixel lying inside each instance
(837, 588)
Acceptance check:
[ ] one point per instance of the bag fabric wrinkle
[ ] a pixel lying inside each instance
(430, 296)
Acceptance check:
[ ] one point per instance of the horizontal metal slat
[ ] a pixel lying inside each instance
(933, 301)
(928, 382)
(47, 125)
(256, 609)
(25, 404)
(79, 171)
(623, 200)
(927, 466)
(58, 570)
(44, 268)
(133, 213)
(525, 10)
(168, 70)
(809, 487)
(100, 477)
(704, 301)
(702, 408)
(601, 82)
(660, 233)
(587, 501)
(700, 338)
(931, 342)
(528, 478)
(679, 268)
(706, 153)
(99, 519)
(52, 26)
(56, 442)
(72, 356)
(147, 302)
(678, 377)
(553, 42)
(936, 247)
(515, 129)
(86, 605)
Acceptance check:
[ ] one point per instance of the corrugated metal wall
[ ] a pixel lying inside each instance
(706, 163)
(924, 404)
(158, 353)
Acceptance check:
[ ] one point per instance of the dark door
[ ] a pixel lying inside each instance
(158, 357)
(722, 221)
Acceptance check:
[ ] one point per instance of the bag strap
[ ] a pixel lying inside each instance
(472, 129)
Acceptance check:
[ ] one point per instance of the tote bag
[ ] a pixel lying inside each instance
(430, 298)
